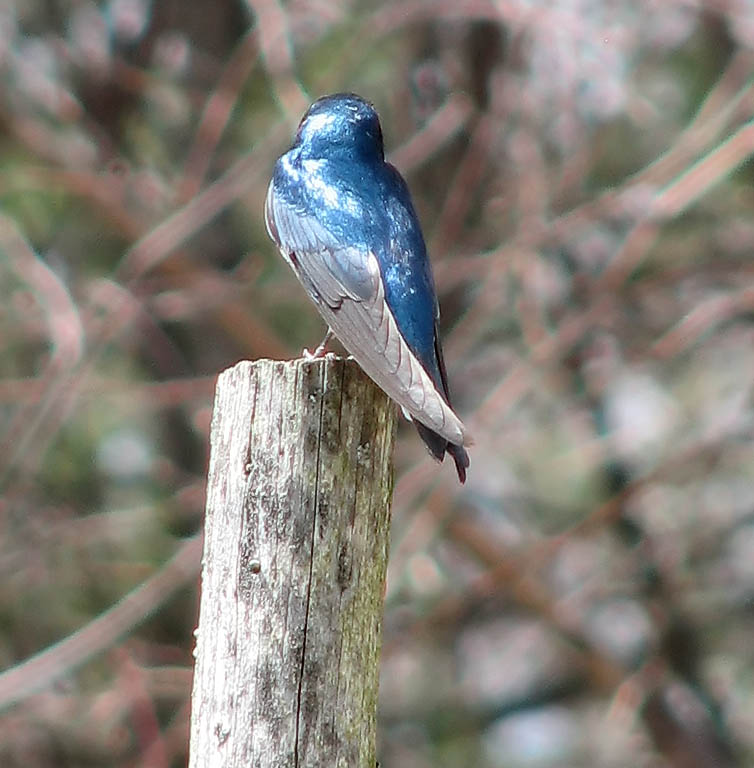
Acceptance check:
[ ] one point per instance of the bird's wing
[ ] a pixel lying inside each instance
(346, 285)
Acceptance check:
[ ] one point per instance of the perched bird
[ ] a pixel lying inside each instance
(343, 219)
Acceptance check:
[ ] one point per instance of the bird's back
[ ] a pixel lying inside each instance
(368, 206)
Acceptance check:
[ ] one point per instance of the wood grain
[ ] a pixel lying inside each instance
(295, 556)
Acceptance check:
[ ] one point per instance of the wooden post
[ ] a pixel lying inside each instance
(295, 555)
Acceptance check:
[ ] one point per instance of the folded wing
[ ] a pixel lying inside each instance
(346, 285)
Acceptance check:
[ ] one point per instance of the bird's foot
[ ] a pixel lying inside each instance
(320, 351)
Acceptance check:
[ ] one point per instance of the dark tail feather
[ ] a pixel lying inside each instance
(438, 446)
(461, 459)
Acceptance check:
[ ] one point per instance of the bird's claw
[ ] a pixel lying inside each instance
(320, 351)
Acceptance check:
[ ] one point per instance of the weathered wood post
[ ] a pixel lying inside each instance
(295, 555)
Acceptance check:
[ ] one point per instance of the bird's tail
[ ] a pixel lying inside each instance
(461, 458)
(438, 446)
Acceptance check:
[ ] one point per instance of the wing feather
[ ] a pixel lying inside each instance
(346, 285)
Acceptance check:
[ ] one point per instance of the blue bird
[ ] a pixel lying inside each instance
(343, 219)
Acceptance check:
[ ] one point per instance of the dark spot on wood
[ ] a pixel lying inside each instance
(280, 424)
(311, 439)
(313, 673)
(345, 567)
(248, 550)
(331, 429)
(221, 734)
(266, 685)
(323, 515)
(368, 428)
(301, 525)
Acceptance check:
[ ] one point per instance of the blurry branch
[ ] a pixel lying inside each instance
(635, 246)
(391, 17)
(106, 191)
(507, 570)
(63, 322)
(519, 378)
(678, 731)
(673, 200)
(43, 417)
(62, 392)
(135, 310)
(277, 55)
(463, 191)
(532, 203)
(468, 720)
(163, 239)
(702, 319)
(513, 572)
(176, 735)
(720, 105)
(707, 172)
(37, 137)
(444, 125)
(427, 519)
(732, 90)
(707, 451)
(65, 332)
(396, 16)
(40, 421)
(45, 668)
(640, 238)
(528, 308)
(160, 242)
(131, 685)
(216, 115)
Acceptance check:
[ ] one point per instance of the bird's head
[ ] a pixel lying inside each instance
(344, 125)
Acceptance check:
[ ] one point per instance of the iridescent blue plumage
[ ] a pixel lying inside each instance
(344, 220)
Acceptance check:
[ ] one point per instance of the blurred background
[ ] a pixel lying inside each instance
(582, 169)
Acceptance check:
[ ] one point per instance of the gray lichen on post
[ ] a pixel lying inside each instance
(295, 556)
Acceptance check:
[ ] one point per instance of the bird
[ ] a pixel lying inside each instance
(343, 219)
